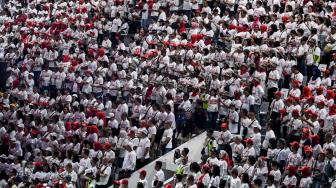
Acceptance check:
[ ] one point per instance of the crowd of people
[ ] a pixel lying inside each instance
(95, 90)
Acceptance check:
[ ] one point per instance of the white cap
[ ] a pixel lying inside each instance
(122, 133)
(76, 103)
(21, 125)
(60, 137)
(110, 115)
(48, 149)
(143, 130)
(134, 128)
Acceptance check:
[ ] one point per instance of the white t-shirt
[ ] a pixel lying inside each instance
(145, 12)
(212, 104)
(274, 74)
(290, 180)
(305, 182)
(168, 133)
(159, 176)
(143, 144)
(235, 182)
(129, 160)
(144, 183)
(104, 175)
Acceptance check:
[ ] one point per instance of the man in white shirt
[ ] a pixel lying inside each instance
(186, 104)
(170, 117)
(296, 74)
(45, 78)
(106, 43)
(301, 54)
(166, 143)
(159, 176)
(69, 174)
(142, 178)
(225, 138)
(313, 57)
(272, 84)
(145, 15)
(142, 150)
(104, 173)
(129, 161)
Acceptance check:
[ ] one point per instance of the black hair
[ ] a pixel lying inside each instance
(179, 177)
(195, 167)
(257, 182)
(270, 178)
(274, 163)
(251, 160)
(159, 164)
(215, 170)
(245, 178)
(140, 185)
(186, 150)
(167, 107)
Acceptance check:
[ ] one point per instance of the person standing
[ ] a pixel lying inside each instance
(272, 84)
(103, 173)
(166, 143)
(144, 16)
(142, 150)
(313, 57)
(129, 162)
(159, 176)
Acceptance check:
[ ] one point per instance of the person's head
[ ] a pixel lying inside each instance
(281, 143)
(167, 108)
(257, 183)
(94, 161)
(234, 172)
(190, 180)
(210, 133)
(140, 185)
(328, 137)
(294, 146)
(185, 152)
(274, 165)
(129, 147)
(68, 167)
(251, 115)
(167, 125)
(329, 153)
(245, 178)
(270, 180)
(251, 160)
(249, 142)
(85, 152)
(137, 101)
(178, 177)
(277, 95)
(158, 165)
(321, 156)
(213, 153)
(215, 170)
(142, 174)
(205, 168)
(246, 92)
(312, 42)
(106, 160)
(194, 167)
